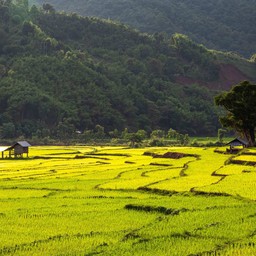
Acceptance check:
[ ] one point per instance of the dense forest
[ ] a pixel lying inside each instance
(62, 74)
(223, 25)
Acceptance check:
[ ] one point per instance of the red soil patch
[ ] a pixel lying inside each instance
(229, 75)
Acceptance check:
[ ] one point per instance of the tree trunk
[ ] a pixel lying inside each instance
(250, 136)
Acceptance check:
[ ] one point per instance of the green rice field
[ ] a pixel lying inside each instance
(81, 200)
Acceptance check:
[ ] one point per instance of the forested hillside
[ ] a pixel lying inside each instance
(63, 73)
(224, 24)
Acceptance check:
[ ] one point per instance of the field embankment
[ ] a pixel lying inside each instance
(120, 201)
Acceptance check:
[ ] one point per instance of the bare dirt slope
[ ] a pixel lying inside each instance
(229, 75)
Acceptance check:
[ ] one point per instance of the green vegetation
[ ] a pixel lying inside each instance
(241, 107)
(222, 25)
(65, 78)
(111, 200)
(63, 74)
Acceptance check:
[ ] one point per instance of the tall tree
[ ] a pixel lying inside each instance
(240, 103)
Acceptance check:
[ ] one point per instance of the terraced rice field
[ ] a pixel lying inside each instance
(120, 201)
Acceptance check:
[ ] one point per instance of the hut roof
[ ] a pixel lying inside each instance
(3, 149)
(237, 142)
(23, 144)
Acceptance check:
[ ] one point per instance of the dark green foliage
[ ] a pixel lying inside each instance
(48, 8)
(221, 133)
(62, 74)
(240, 103)
(205, 68)
(159, 209)
(224, 25)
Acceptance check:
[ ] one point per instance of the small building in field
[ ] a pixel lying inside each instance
(237, 144)
(16, 150)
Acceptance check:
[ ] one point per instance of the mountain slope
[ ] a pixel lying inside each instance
(223, 25)
(61, 73)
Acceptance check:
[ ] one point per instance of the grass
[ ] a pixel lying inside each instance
(247, 158)
(117, 201)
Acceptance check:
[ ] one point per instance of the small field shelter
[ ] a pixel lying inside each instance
(237, 144)
(16, 150)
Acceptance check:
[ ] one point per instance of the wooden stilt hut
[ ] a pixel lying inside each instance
(236, 145)
(17, 150)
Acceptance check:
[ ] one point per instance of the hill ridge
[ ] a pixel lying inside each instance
(219, 25)
(63, 73)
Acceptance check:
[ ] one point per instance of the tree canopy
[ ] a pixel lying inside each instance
(223, 24)
(240, 103)
(61, 73)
